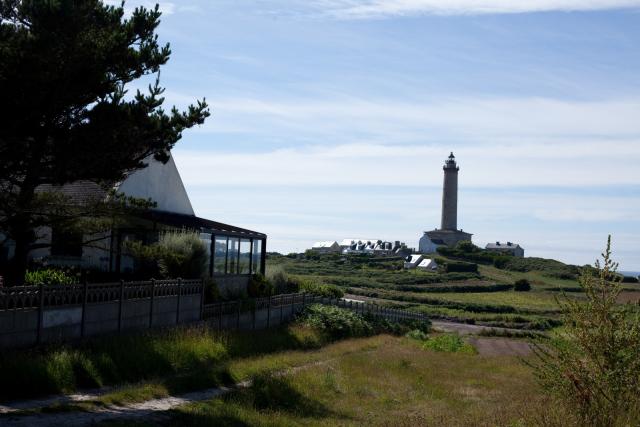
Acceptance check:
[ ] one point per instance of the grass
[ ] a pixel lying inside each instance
(381, 381)
(450, 343)
(177, 360)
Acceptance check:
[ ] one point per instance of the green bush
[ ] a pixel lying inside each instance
(336, 322)
(451, 343)
(417, 334)
(460, 267)
(522, 285)
(279, 280)
(176, 254)
(259, 286)
(318, 288)
(48, 277)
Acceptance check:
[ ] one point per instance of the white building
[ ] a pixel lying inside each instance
(235, 253)
(509, 248)
(412, 261)
(426, 245)
(428, 264)
(326, 247)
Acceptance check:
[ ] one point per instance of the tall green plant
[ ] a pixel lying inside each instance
(594, 365)
(176, 254)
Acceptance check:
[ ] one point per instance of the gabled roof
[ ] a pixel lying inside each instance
(326, 244)
(505, 246)
(78, 192)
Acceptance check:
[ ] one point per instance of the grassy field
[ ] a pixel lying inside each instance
(485, 297)
(379, 381)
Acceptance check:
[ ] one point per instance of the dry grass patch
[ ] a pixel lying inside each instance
(384, 381)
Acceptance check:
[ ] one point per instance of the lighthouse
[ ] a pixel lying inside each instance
(448, 234)
(450, 194)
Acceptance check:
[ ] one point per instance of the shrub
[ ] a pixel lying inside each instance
(259, 286)
(592, 366)
(176, 254)
(336, 322)
(319, 288)
(460, 267)
(279, 280)
(451, 343)
(522, 285)
(417, 334)
(48, 277)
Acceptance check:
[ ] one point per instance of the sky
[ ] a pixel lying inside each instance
(331, 119)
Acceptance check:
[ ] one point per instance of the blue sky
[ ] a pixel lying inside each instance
(331, 118)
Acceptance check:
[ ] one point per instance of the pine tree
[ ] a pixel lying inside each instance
(65, 112)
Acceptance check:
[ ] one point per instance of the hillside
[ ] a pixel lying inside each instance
(485, 297)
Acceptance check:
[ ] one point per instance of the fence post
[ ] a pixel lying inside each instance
(153, 289)
(202, 294)
(303, 300)
(120, 306)
(84, 307)
(253, 316)
(178, 302)
(238, 315)
(269, 311)
(280, 310)
(40, 313)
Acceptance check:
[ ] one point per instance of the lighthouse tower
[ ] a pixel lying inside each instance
(450, 194)
(448, 234)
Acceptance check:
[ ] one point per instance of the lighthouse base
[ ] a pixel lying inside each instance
(448, 237)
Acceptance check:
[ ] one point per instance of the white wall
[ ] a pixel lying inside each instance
(161, 183)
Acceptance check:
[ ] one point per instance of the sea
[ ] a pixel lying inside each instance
(630, 273)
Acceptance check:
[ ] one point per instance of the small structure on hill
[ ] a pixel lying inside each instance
(326, 247)
(420, 262)
(508, 248)
(448, 234)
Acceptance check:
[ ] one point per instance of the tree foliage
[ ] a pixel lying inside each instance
(593, 367)
(66, 114)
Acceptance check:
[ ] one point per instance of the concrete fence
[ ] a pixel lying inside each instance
(39, 314)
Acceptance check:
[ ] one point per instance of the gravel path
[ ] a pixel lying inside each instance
(500, 346)
(150, 410)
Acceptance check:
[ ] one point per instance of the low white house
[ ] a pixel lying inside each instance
(508, 248)
(326, 247)
(426, 245)
(412, 261)
(428, 264)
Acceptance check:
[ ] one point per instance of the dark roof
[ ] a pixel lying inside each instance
(502, 246)
(78, 192)
(205, 225)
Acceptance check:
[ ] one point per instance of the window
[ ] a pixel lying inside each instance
(64, 243)
(220, 255)
(232, 255)
(245, 256)
(206, 239)
(257, 256)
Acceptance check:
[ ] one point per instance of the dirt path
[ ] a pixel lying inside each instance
(500, 346)
(150, 410)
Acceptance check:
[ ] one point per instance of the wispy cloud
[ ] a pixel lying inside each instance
(342, 120)
(359, 9)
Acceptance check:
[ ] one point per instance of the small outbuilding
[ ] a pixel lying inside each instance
(508, 248)
(412, 261)
(428, 264)
(326, 247)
